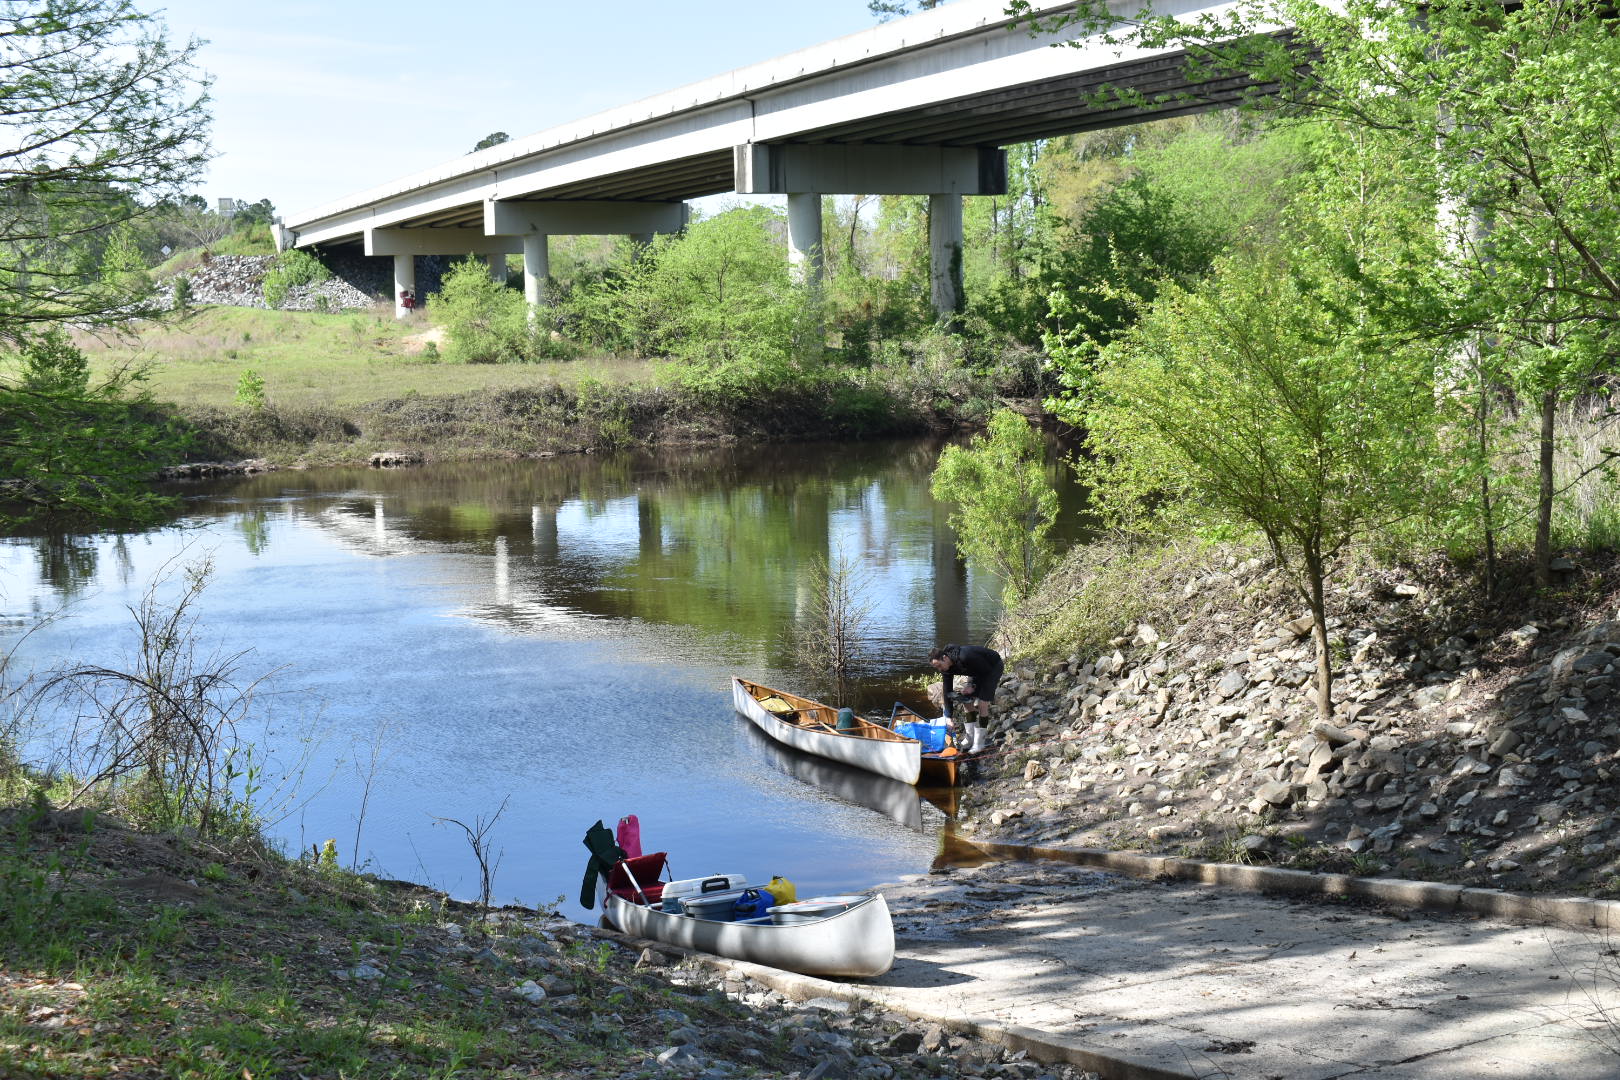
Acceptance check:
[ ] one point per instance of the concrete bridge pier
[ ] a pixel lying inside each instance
(497, 266)
(806, 171)
(535, 221)
(536, 267)
(405, 244)
(804, 236)
(404, 278)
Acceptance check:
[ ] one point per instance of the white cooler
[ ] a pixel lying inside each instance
(676, 891)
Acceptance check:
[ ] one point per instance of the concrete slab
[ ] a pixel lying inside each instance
(1183, 979)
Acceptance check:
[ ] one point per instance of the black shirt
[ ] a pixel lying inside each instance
(974, 662)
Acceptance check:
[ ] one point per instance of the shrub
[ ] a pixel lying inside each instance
(1004, 504)
(292, 268)
(484, 321)
(250, 390)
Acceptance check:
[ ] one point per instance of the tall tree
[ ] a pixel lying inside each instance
(101, 117)
(76, 447)
(1512, 108)
(101, 120)
(1255, 402)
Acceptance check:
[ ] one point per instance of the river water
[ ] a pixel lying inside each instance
(556, 636)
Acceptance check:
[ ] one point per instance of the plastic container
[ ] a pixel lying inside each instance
(813, 909)
(713, 907)
(676, 890)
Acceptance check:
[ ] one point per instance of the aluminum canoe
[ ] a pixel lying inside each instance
(858, 942)
(866, 746)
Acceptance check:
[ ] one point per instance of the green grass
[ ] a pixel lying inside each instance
(103, 982)
(307, 359)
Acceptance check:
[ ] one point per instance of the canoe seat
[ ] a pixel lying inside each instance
(648, 870)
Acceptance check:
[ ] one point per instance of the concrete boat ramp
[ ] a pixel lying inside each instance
(1137, 978)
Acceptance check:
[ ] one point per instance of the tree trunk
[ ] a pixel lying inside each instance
(1324, 662)
(1544, 493)
(1482, 410)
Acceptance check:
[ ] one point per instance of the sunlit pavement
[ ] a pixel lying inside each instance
(1190, 980)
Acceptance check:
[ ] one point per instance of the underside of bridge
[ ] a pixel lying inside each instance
(943, 147)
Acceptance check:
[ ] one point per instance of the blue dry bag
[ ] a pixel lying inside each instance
(752, 904)
(932, 736)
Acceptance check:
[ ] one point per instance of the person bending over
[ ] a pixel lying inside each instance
(980, 670)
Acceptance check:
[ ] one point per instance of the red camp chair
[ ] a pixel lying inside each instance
(637, 880)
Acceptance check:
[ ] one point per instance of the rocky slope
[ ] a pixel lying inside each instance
(1470, 742)
(357, 282)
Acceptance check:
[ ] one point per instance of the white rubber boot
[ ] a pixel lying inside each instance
(977, 732)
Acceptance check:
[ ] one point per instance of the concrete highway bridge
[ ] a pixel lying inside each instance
(918, 106)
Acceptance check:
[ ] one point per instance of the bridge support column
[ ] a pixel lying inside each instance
(945, 255)
(404, 278)
(536, 268)
(804, 236)
(497, 267)
(943, 173)
(405, 244)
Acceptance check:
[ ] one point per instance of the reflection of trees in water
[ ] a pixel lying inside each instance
(67, 563)
(720, 541)
(255, 528)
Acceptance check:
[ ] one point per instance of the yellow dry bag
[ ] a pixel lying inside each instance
(782, 889)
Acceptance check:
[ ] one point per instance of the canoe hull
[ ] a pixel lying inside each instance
(857, 943)
(895, 757)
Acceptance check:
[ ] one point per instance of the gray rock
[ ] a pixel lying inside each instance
(1331, 734)
(682, 1058)
(1299, 627)
(1505, 743)
(1277, 793)
(1233, 682)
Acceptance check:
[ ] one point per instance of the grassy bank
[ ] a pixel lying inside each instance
(337, 388)
(310, 360)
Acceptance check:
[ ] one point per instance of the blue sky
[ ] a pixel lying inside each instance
(313, 101)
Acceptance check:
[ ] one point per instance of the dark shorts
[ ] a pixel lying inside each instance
(985, 689)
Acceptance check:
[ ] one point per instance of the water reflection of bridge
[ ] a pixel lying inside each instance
(733, 561)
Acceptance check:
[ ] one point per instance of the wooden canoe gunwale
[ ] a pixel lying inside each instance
(868, 746)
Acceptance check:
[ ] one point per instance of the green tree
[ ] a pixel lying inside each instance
(716, 301)
(1190, 192)
(101, 116)
(1004, 506)
(123, 269)
(74, 448)
(494, 138)
(250, 393)
(1512, 108)
(1255, 403)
